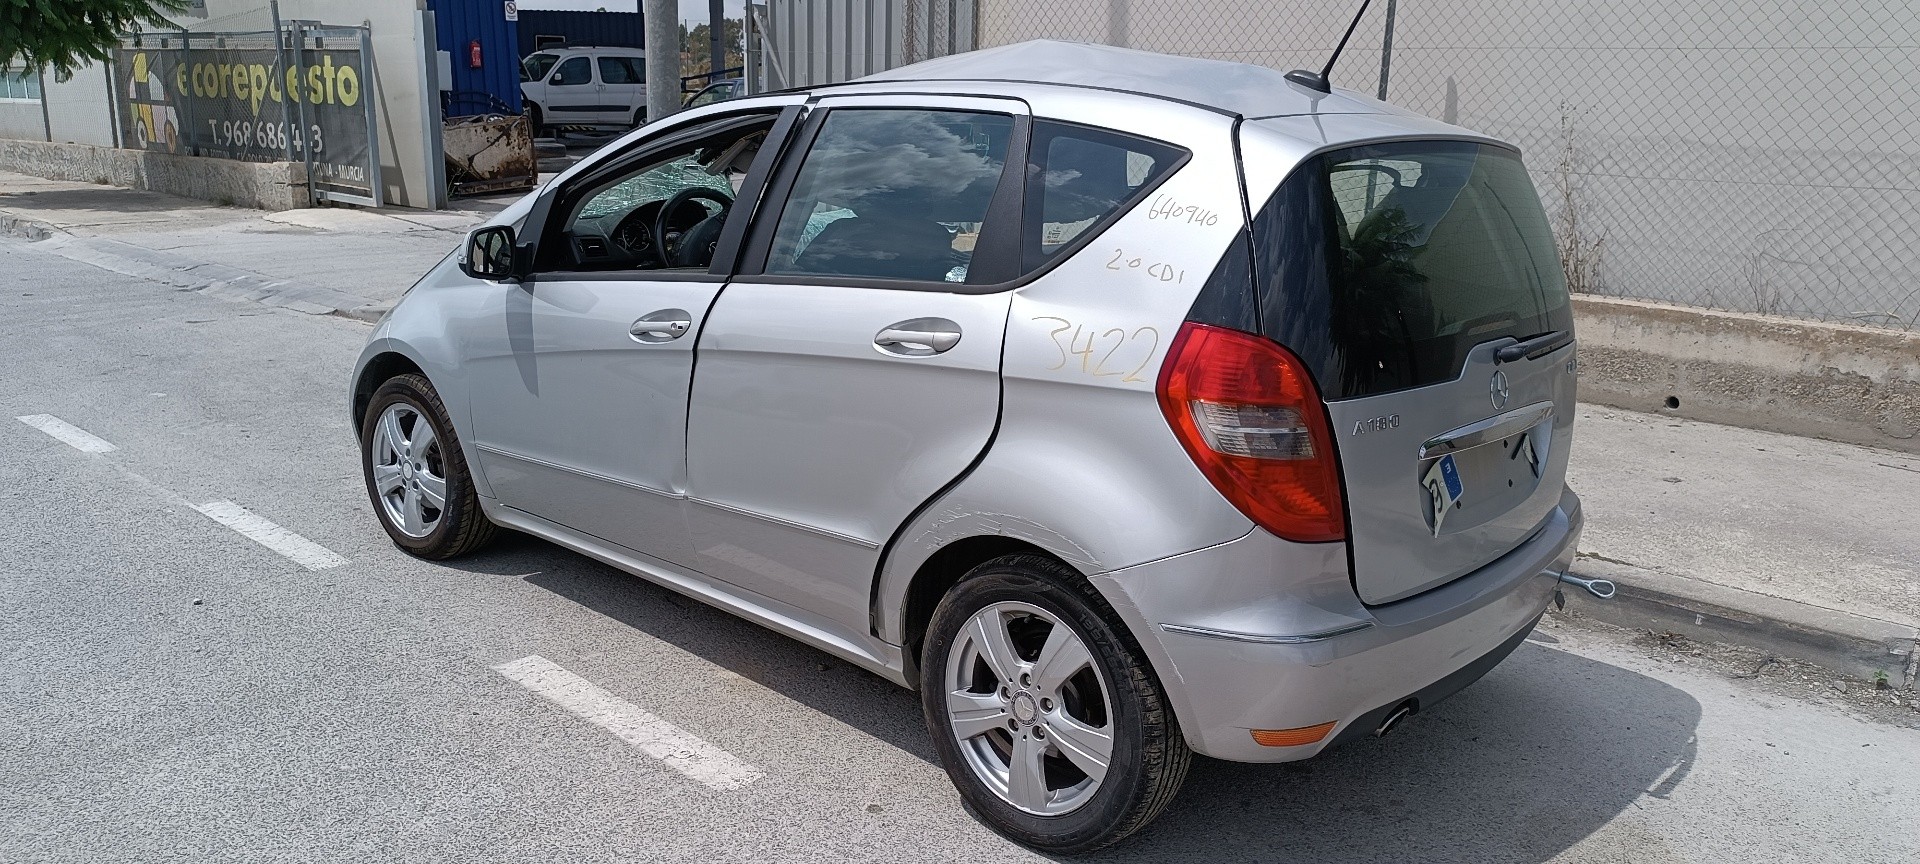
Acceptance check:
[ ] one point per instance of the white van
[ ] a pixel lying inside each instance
(585, 86)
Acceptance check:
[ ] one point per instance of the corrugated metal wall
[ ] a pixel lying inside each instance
(797, 43)
(461, 22)
(621, 29)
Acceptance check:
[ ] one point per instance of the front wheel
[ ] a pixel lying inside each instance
(417, 475)
(1044, 711)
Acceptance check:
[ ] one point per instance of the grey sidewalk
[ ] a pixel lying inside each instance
(1796, 546)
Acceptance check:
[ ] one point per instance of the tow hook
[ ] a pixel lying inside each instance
(1601, 588)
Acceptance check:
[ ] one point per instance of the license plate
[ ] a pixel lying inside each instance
(1443, 489)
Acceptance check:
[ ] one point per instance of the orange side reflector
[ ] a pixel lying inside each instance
(1292, 737)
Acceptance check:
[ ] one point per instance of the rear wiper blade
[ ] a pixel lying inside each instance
(1543, 344)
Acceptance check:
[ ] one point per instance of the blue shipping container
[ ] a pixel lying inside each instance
(493, 85)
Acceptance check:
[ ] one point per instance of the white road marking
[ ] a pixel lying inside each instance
(293, 547)
(679, 749)
(69, 434)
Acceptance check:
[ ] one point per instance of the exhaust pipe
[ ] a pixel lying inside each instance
(1601, 588)
(1401, 712)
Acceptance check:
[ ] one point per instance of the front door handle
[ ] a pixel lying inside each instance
(665, 325)
(920, 337)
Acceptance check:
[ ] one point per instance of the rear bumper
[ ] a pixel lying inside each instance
(1251, 649)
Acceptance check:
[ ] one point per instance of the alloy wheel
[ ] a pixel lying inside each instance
(1030, 708)
(409, 473)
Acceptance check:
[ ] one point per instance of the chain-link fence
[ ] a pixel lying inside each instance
(1750, 155)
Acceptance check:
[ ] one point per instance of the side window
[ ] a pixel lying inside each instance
(892, 194)
(614, 70)
(663, 211)
(574, 71)
(1079, 177)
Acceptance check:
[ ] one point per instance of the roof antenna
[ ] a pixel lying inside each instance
(1318, 80)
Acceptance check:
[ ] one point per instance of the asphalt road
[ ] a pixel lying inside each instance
(176, 691)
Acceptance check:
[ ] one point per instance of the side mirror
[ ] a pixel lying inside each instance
(489, 253)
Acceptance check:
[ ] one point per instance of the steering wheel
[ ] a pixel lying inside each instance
(667, 245)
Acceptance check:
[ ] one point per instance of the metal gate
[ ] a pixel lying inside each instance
(303, 93)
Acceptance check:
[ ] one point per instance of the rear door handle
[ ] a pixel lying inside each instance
(665, 325)
(919, 337)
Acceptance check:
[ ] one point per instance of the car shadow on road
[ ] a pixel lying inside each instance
(1541, 754)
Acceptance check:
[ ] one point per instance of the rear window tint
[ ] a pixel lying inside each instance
(1383, 266)
(1079, 178)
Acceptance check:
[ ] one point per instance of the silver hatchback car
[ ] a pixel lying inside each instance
(1128, 406)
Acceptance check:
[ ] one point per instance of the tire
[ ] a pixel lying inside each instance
(639, 117)
(1147, 756)
(457, 526)
(537, 119)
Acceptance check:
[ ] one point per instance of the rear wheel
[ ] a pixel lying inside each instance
(1044, 711)
(417, 475)
(639, 116)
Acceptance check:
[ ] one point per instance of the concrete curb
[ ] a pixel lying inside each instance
(187, 274)
(1664, 602)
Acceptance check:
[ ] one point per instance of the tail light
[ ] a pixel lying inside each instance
(1247, 412)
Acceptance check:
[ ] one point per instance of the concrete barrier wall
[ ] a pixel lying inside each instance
(1860, 385)
(265, 185)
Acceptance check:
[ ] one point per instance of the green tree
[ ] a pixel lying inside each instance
(695, 56)
(67, 34)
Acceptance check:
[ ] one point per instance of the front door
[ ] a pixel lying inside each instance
(581, 378)
(572, 95)
(853, 371)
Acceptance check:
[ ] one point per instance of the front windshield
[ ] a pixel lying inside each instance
(535, 67)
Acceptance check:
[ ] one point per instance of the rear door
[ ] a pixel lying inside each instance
(1420, 282)
(622, 88)
(853, 370)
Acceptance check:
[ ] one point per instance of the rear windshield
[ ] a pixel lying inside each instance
(1383, 266)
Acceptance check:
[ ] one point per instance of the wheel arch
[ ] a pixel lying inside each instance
(938, 574)
(377, 369)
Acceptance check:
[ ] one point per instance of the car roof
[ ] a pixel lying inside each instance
(1232, 88)
(604, 49)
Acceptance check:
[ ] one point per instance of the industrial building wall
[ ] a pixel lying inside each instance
(74, 111)
(612, 29)
(493, 83)
(73, 114)
(799, 43)
(20, 109)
